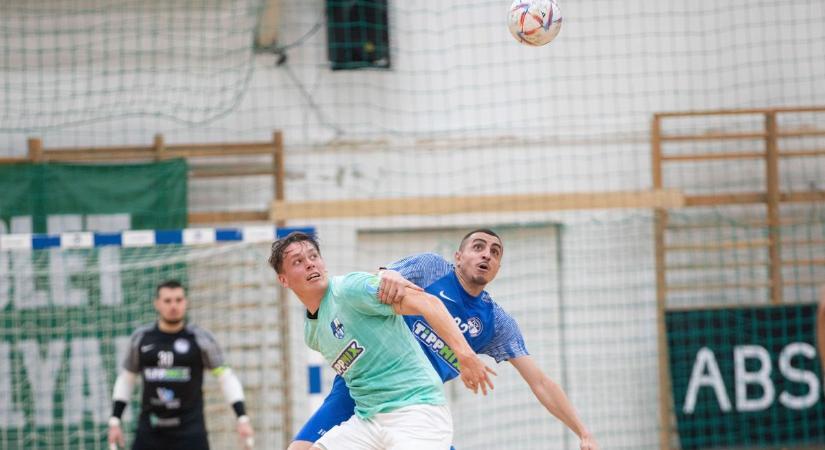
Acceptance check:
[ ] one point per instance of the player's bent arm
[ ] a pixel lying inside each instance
(552, 397)
(419, 303)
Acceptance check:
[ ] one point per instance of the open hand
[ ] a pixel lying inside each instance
(475, 374)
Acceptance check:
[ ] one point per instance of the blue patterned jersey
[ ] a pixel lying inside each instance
(488, 328)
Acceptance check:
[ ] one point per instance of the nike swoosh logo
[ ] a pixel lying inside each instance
(444, 296)
(147, 347)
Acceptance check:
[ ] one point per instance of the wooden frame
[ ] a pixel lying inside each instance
(771, 197)
(160, 151)
(283, 210)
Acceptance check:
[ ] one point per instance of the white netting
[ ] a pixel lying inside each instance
(67, 316)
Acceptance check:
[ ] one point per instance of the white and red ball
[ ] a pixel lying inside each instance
(534, 22)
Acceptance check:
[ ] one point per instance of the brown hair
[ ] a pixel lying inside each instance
(276, 256)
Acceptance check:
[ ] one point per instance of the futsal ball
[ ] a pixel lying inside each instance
(534, 22)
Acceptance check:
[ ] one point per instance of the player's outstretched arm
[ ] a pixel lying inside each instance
(121, 393)
(820, 328)
(553, 398)
(474, 373)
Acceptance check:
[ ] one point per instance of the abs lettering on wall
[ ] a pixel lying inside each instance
(746, 377)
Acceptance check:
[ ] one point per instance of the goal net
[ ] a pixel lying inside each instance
(67, 315)
(583, 291)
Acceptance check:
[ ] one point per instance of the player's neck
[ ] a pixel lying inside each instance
(471, 288)
(170, 328)
(312, 302)
(311, 298)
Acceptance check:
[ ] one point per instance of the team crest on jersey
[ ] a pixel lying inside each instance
(347, 357)
(474, 326)
(337, 328)
(181, 345)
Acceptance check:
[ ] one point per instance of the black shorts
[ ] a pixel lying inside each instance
(149, 439)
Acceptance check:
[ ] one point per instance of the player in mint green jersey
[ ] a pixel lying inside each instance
(399, 398)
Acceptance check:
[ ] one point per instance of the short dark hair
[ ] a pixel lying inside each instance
(171, 284)
(478, 230)
(276, 256)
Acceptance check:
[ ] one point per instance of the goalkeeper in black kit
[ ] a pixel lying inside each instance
(171, 356)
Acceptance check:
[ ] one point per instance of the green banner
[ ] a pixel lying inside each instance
(153, 195)
(66, 315)
(746, 377)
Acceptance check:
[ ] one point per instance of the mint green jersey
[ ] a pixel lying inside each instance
(371, 347)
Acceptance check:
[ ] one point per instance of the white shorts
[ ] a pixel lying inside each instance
(416, 427)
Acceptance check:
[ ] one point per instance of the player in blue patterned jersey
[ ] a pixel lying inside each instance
(486, 326)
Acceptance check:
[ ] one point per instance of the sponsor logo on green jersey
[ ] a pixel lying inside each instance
(347, 357)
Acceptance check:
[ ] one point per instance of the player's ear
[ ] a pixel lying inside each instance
(283, 281)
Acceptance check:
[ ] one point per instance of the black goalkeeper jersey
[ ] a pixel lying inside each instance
(171, 367)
